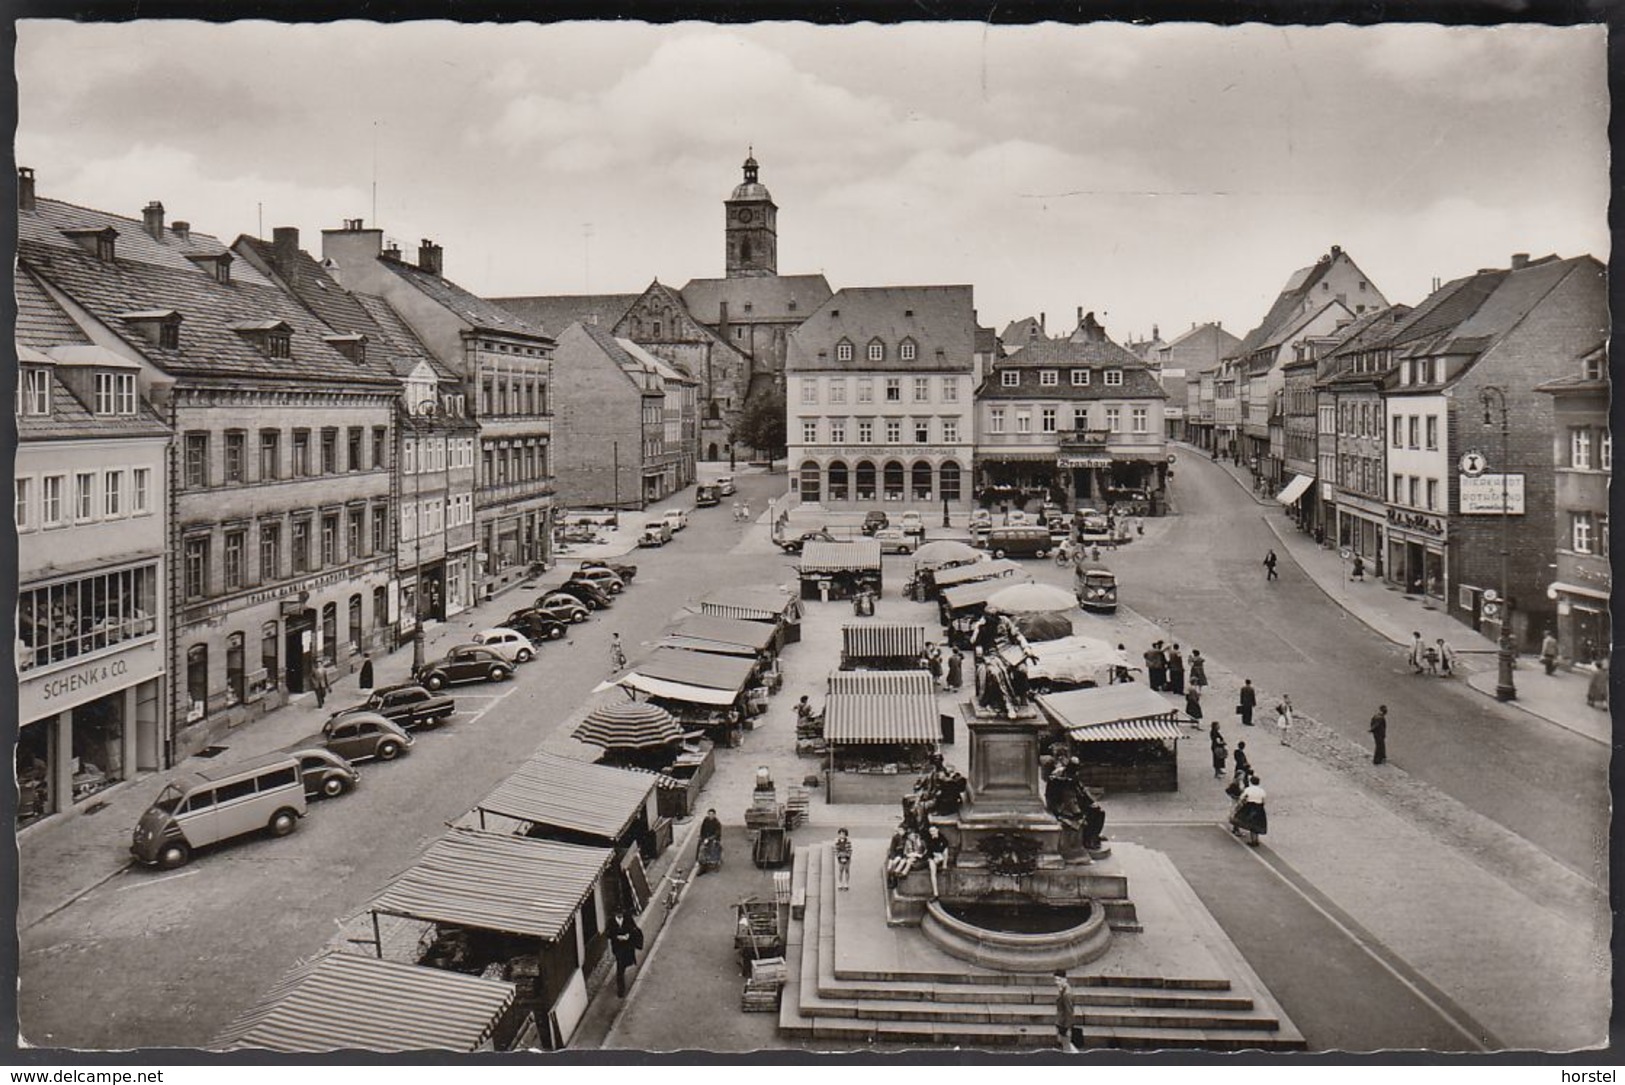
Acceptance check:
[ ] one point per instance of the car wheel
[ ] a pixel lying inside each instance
(174, 855)
(498, 673)
(283, 822)
(1042, 554)
(997, 554)
(616, 589)
(334, 786)
(555, 633)
(524, 655)
(433, 682)
(387, 749)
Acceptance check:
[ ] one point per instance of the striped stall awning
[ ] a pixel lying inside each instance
(598, 800)
(1125, 712)
(496, 882)
(882, 640)
(857, 556)
(981, 570)
(868, 718)
(343, 1001)
(914, 683)
(1128, 731)
(750, 604)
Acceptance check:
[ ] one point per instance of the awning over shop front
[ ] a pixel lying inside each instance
(1113, 713)
(342, 1000)
(496, 882)
(550, 790)
(857, 556)
(1295, 489)
(865, 708)
(981, 570)
(1560, 588)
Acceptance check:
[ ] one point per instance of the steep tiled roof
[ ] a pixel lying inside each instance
(1018, 333)
(41, 323)
(480, 313)
(768, 297)
(1297, 288)
(554, 312)
(71, 419)
(1138, 383)
(1065, 352)
(940, 319)
(1516, 296)
(1441, 311)
(1293, 325)
(987, 341)
(148, 275)
(1200, 329)
(407, 351)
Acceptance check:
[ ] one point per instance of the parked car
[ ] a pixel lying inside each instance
(602, 578)
(981, 518)
(561, 606)
(594, 597)
(655, 533)
(625, 570)
(706, 496)
(510, 644)
(536, 625)
(465, 663)
(197, 809)
(364, 735)
(677, 518)
(325, 773)
(874, 520)
(913, 524)
(407, 705)
(794, 545)
(725, 486)
(894, 540)
(1015, 518)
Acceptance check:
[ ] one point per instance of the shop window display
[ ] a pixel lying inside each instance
(74, 618)
(98, 745)
(34, 778)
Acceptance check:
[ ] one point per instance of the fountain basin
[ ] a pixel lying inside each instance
(1018, 934)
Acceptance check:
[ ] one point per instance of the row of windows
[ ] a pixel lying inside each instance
(1361, 473)
(895, 482)
(439, 454)
(436, 515)
(920, 428)
(1360, 419)
(1422, 371)
(891, 389)
(876, 351)
(81, 616)
(1051, 378)
(513, 394)
(238, 569)
(1048, 419)
(200, 470)
(1583, 440)
(198, 685)
(1407, 431)
(1418, 493)
(114, 393)
(526, 462)
(47, 501)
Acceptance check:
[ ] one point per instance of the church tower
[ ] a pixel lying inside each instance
(751, 230)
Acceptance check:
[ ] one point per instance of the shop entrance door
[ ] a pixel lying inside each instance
(300, 628)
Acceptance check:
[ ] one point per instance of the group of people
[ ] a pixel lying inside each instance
(947, 671)
(742, 511)
(1437, 658)
(1165, 668)
(916, 841)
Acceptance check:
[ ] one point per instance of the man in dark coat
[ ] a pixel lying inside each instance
(1247, 701)
(625, 939)
(1379, 735)
(366, 672)
(1269, 566)
(1156, 666)
(1176, 670)
(956, 671)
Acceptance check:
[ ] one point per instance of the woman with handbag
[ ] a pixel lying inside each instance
(1249, 816)
(1220, 753)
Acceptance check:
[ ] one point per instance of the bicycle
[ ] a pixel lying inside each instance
(674, 887)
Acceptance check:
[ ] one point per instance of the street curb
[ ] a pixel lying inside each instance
(76, 897)
(1526, 710)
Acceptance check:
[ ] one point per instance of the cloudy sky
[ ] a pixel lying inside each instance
(1162, 175)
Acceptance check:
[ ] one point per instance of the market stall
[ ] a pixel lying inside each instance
(551, 797)
(962, 604)
(1067, 663)
(987, 569)
(714, 693)
(773, 605)
(723, 636)
(530, 912)
(839, 570)
(338, 1001)
(882, 646)
(1126, 736)
(642, 736)
(881, 727)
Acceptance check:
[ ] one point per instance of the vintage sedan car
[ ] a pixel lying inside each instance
(601, 577)
(536, 625)
(894, 540)
(325, 773)
(364, 735)
(913, 524)
(465, 663)
(874, 520)
(510, 644)
(408, 706)
(625, 570)
(561, 606)
(725, 484)
(794, 545)
(591, 595)
(677, 518)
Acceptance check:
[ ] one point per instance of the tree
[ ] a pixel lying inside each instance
(761, 424)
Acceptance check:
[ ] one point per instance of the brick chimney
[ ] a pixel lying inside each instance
(1042, 317)
(1520, 260)
(25, 188)
(722, 318)
(430, 257)
(285, 249)
(152, 216)
(181, 229)
(392, 251)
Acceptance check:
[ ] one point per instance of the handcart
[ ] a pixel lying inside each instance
(767, 824)
(758, 931)
(709, 856)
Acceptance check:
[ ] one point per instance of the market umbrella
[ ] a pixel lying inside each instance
(1043, 625)
(629, 725)
(1031, 598)
(945, 552)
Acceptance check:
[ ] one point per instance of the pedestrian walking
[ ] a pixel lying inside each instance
(1283, 723)
(1193, 706)
(1447, 658)
(1065, 1013)
(956, 670)
(1246, 701)
(933, 663)
(365, 681)
(744, 512)
(736, 512)
(1221, 754)
(617, 654)
(1379, 735)
(318, 683)
(1249, 816)
(1548, 652)
(1418, 653)
(843, 860)
(1156, 666)
(1242, 769)
(1597, 688)
(1176, 670)
(1359, 569)
(1198, 677)
(1430, 659)
(1269, 566)
(625, 939)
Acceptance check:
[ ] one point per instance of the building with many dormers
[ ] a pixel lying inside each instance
(91, 476)
(504, 364)
(280, 479)
(1076, 420)
(880, 401)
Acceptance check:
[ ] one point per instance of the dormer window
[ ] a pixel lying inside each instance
(843, 351)
(215, 264)
(908, 350)
(33, 391)
(1010, 378)
(160, 327)
(1080, 378)
(1048, 378)
(877, 350)
(1591, 368)
(99, 243)
(1114, 377)
(353, 347)
(274, 337)
(115, 393)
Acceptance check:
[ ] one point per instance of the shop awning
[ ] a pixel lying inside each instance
(981, 570)
(912, 683)
(1113, 713)
(751, 636)
(881, 706)
(340, 1000)
(496, 882)
(1295, 489)
(967, 595)
(857, 556)
(882, 640)
(599, 800)
(1560, 588)
(750, 604)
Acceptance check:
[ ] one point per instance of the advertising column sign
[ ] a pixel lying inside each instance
(1481, 495)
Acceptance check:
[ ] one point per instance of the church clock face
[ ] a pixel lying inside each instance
(744, 214)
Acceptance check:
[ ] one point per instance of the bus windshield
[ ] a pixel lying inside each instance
(169, 800)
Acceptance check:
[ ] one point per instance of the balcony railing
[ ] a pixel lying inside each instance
(1081, 439)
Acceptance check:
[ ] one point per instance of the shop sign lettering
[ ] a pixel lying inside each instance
(83, 678)
(1083, 461)
(1481, 496)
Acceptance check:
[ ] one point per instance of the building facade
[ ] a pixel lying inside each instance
(1078, 422)
(880, 401)
(1180, 363)
(91, 472)
(1583, 451)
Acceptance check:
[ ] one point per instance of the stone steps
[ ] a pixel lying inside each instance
(975, 1007)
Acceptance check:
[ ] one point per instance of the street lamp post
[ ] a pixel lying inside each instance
(1505, 689)
(425, 409)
